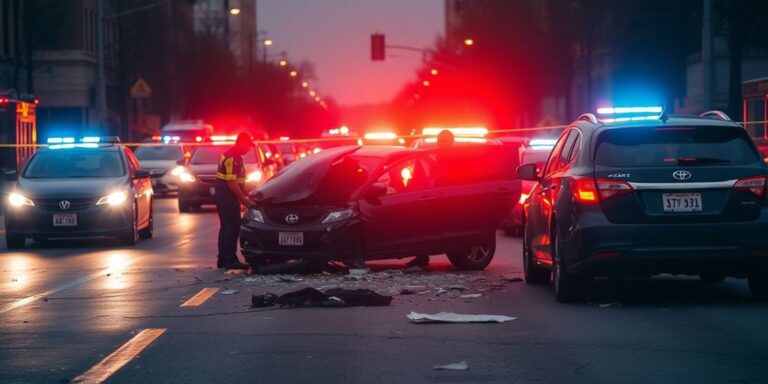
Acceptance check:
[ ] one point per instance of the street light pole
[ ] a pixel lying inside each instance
(101, 76)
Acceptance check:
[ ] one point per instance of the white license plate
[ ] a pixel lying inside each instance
(65, 220)
(682, 202)
(213, 191)
(291, 238)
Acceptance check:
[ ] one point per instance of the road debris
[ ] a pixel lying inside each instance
(338, 297)
(471, 296)
(460, 366)
(448, 317)
(228, 291)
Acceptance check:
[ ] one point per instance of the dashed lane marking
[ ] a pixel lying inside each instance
(119, 358)
(200, 297)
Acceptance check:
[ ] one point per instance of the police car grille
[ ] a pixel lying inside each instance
(74, 204)
(306, 215)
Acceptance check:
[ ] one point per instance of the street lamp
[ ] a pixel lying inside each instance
(234, 11)
(469, 42)
(283, 63)
(425, 83)
(304, 84)
(294, 73)
(312, 93)
(433, 72)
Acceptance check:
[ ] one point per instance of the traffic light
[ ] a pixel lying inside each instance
(377, 47)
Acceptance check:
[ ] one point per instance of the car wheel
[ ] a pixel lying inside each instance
(475, 258)
(131, 235)
(148, 232)
(758, 286)
(14, 241)
(711, 278)
(534, 274)
(184, 207)
(568, 287)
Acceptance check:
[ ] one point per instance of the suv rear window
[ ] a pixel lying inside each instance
(665, 146)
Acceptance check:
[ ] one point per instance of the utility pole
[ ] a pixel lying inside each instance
(101, 76)
(707, 62)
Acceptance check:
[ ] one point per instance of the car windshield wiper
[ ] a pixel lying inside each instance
(701, 160)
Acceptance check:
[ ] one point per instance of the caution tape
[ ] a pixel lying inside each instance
(346, 138)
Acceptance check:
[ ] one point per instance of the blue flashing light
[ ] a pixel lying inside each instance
(542, 143)
(61, 140)
(68, 140)
(623, 110)
(91, 139)
(71, 146)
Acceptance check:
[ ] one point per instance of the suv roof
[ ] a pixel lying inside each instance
(711, 118)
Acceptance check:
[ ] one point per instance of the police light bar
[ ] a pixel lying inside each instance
(284, 138)
(457, 131)
(223, 138)
(380, 136)
(90, 139)
(626, 110)
(634, 118)
(70, 146)
(61, 140)
(542, 143)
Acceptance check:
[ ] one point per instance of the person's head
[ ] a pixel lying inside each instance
(243, 143)
(445, 139)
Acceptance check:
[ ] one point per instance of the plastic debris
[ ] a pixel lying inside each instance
(290, 279)
(471, 296)
(228, 292)
(460, 366)
(265, 300)
(359, 271)
(449, 317)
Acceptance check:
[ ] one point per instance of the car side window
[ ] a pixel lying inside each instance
(576, 148)
(554, 155)
(565, 152)
(133, 164)
(411, 175)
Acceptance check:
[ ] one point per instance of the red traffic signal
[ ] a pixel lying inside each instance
(377, 47)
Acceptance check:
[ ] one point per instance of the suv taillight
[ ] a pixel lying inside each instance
(588, 190)
(754, 185)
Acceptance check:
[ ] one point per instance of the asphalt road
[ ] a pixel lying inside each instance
(66, 307)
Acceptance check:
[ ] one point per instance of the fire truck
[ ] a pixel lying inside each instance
(18, 132)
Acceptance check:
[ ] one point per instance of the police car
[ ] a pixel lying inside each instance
(638, 193)
(87, 188)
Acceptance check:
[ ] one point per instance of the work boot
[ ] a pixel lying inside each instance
(219, 263)
(236, 265)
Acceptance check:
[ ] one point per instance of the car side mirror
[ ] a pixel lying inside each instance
(141, 174)
(10, 176)
(528, 172)
(376, 190)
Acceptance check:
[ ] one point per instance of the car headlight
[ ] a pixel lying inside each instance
(178, 170)
(186, 177)
(115, 198)
(254, 176)
(338, 216)
(254, 215)
(17, 200)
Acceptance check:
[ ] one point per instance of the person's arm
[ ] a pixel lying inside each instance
(241, 196)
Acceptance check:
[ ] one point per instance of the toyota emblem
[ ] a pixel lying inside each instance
(681, 175)
(64, 204)
(292, 218)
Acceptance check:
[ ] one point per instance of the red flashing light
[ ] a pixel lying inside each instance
(36, 101)
(3, 100)
(198, 139)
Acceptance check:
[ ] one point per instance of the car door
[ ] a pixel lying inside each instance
(543, 196)
(142, 189)
(403, 221)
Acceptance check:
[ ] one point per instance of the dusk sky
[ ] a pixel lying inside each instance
(335, 36)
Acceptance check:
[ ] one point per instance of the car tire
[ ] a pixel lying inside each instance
(15, 242)
(131, 235)
(758, 286)
(569, 287)
(476, 258)
(534, 274)
(711, 278)
(184, 206)
(148, 232)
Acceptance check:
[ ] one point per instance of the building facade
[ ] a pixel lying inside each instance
(233, 24)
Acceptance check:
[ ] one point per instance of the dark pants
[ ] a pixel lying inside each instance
(229, 217)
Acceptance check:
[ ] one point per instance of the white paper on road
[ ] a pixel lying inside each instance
(471, 296)
(460, 366)
(228, 292)
(449, 317)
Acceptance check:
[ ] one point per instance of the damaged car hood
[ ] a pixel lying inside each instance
(301, 179)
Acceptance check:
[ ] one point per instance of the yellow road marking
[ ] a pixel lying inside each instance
(119, 358)
(200, 297)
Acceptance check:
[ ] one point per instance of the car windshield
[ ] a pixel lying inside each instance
(54, 164)
(212, 155)
(536, 156)
(665, 146)
(158, 152)
(345, 176)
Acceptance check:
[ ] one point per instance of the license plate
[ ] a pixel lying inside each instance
(213, 191)
(682, 202)
(65, 220)
(291, 238)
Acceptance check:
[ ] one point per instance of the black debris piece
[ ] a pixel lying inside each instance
(310, 297)
(265, 300)
(360, 297)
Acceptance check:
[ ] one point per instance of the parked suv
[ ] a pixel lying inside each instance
(638, 196)
(365, 203)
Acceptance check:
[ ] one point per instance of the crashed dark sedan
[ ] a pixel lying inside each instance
(354, 204)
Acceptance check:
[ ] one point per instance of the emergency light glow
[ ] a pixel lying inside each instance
(91, 139)
(622, 110)
(380, 136)
(223, 138)
(61, 140)
(542, 143)
(284, 138)
(457, 131)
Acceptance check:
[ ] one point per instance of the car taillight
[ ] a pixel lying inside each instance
(754, 185)
(523, 198)
(612, 188)
(584, 190)
(588, 190)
